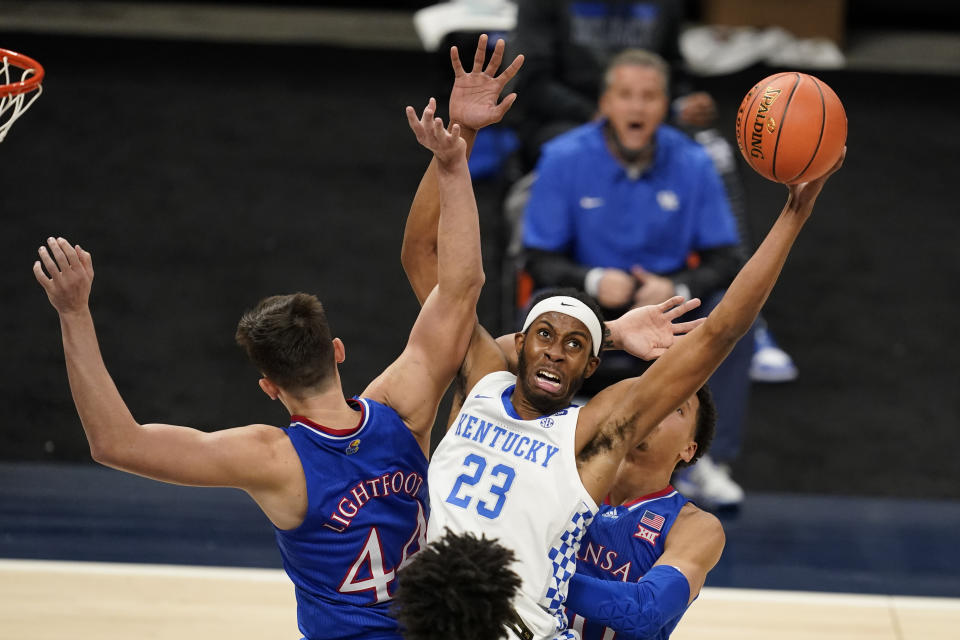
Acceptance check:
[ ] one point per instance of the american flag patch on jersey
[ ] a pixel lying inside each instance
(653, 520)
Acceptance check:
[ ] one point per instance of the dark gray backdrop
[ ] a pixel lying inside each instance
(203, 177)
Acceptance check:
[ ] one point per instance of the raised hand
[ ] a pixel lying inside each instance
(447, 145)
(473, 99)
(71, 274)
(803, 195)
(647, 332)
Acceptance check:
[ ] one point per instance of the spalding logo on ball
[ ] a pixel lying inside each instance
(791, 127)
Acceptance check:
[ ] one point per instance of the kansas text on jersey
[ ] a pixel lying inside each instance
(622, 543)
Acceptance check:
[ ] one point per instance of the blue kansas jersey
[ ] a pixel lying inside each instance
(622, 543)
(367, 516)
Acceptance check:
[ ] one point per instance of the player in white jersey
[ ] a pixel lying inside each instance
(480, 482)
(529, 498)
(490, 454)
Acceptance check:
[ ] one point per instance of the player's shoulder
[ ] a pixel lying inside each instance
(694, 521)
(266, 433)
(269, 441)
(379, 414)
(493, 382)
(371, 404)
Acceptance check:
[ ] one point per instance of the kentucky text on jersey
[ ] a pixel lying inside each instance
(524, 447)
(387, 484)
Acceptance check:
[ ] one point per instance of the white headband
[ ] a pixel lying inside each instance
(570, 307)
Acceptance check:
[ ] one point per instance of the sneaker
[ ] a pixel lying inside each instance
(770, 363)
(709, 484)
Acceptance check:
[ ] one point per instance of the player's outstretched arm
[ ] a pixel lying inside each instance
(474, 103)
(693, 546)
(459, 264)
(628, 410)
(639, 610)
(414, 384)
(242, 457)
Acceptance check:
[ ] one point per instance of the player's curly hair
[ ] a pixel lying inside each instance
(460, 587)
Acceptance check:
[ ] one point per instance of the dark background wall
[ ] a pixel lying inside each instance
(205, 176)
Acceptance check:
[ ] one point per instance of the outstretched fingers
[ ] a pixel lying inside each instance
(839, 163)
(495, 58)
(676, 306)
(511, 71)
(836, 167)
(670, 303)
(69, 252)
(481, 53)
(65, 272)
(48, 263)
(686, 327)
(428, 112)
(59, 252)
(40, 275)
(85, 259)
(432, 134)
(439, 131)
(455, 62)
(505, 105)
(59, 256)
(419, 125)
(804, 194)
(412, 119)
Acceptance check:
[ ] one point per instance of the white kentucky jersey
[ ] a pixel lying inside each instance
(516, 481)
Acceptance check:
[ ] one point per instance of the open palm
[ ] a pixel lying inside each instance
(647, 332)
(474, 97)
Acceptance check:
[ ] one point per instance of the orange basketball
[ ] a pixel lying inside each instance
(791, 127)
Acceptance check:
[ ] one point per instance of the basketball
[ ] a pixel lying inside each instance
(791, 127)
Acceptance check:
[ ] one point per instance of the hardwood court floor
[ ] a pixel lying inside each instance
(52, 600)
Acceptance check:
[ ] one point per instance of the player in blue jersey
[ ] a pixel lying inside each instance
(472, 474)
(646, 555)
(344, 483)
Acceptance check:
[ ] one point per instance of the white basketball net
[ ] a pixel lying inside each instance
(13, 106)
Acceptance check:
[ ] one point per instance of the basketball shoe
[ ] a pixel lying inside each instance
(770, 363)
(709, 484)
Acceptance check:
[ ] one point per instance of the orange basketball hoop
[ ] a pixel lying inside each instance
(20, 77)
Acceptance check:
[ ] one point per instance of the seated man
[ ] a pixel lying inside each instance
(522, 464)
(632, 210)
(568, 44)
(345, 483)
(619, 207)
